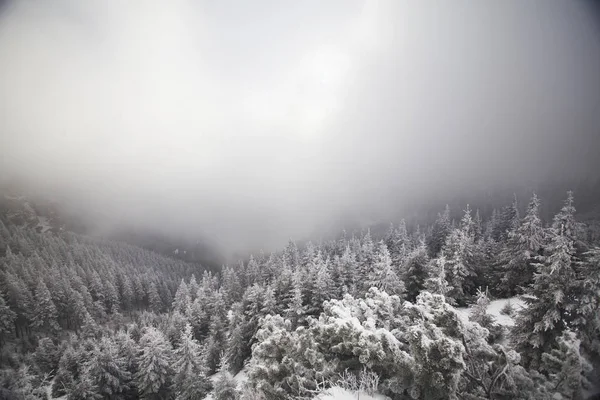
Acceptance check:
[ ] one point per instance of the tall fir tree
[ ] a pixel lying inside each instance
(107, 370)
(383, 276)
(552, 298)
(440, 231)
(182, 299)
(191, 380)
(524, 248)
(416, 271)
(44, 310)
(155, 376)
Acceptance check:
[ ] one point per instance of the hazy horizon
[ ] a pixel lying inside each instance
(250, 123)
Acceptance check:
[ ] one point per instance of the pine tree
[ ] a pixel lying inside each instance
(322, 285)
(416, 271)
(252, 271)
(436, 282)
(397, 243)
(182, 298)
(566, 368)
(551, 300)
(440, 231)
(191, 379)
(507, 221)
(458, 252)
(477, 227)
(366, 260)
(44, 311)
(296, 311)
(217, 337)
(155, 374)
(587, 322)
(231, 287)
(349, 270)
(47, 356)
(237, 346)
(154, 300)
(291, 256)
(70, 367)
(523, 250)
(107, 370)
(383, 275)
(193, 288)
(479, 312)
(7, 319)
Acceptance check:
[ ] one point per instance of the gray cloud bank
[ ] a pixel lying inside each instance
(251, 122)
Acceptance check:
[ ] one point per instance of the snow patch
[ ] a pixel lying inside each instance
(494, 309)
(338, 393)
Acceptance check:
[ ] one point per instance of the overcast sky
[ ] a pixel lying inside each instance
(255, 121)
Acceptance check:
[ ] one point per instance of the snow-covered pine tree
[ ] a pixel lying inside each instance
(321, 285)
(182, 299)
(191, 381)
(523, 249)
(416, 271)
(231, 287)
(349, 270)
(506, 221)
(436, 282)
(383, 276)
(193, 288)
(217, 335)
(398, 244)
(7, 319)
(107, 370)
(44, 310)
(155, 375)
(587, 320)
(291, 256)
(296, 311)
(154, 301)
(440, 231)
(458, 251)
(566, 368)
(551, 299)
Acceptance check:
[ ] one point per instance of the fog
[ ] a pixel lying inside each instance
(252, 122)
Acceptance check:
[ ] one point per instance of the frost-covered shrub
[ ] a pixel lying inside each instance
(287, 363)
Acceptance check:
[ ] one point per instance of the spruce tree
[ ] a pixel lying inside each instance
(107, 370)
(524, 248)
(552, 299)
(7, 319)
(155, 375)
(44, 310)
(436, 282)
(416, 271)
(440, 231)
(191, 381)
(383, 275)
(182, 299)
(566, 368)
(154, 300)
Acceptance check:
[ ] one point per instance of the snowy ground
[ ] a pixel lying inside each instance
(337, 393)
(494, 309)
